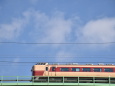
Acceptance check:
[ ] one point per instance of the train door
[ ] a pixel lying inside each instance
(47, 71)
(53, 71)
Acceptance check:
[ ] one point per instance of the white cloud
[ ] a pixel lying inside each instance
(9, 31)
(58, 30)
(13, 29)
(101, 30)
(52, 29)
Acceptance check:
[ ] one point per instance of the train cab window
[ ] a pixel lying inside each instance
(97, 69)
(53, 68)
(86, 69)
(64, 69)
(46, 68)
(75, 69)
(108, 69)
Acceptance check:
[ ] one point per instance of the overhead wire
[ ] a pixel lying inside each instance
(53, 56)
(52, 62)
(57, 43)
(46, 56)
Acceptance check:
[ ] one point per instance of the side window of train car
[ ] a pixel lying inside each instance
(53, 68)
(75, 69)
(46, 68)
(108, 69)
(97, 70)
(64, 69)
(86, 69)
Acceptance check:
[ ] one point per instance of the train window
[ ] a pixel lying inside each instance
(53, 68)
(97, 69)
(75, 69)
(86, 69)
(64, 69)
(108, 69)
(46, 68)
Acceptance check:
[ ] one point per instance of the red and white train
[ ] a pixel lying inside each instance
(45, 69)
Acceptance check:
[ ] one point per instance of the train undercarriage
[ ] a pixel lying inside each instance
(60, 79)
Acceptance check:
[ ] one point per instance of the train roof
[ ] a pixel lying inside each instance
(99, 64)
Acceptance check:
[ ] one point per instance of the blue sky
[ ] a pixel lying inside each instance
(55, 21)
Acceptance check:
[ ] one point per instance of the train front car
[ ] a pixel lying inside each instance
(39, 69)
(72, 70)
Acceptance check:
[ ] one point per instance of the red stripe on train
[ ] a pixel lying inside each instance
(38, 73)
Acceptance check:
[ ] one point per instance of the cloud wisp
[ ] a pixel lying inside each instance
(13, 29)
(98, 31)
(51, 29)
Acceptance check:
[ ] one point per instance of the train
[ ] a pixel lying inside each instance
(45, 69)
(71, 70)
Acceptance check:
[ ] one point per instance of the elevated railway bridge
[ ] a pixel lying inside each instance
(56, 81)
